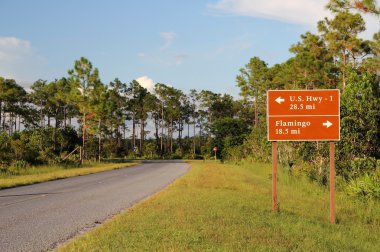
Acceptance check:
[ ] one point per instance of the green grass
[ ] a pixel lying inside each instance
(228, 208)
(39, 174)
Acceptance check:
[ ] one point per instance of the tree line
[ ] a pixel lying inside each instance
(54, 118)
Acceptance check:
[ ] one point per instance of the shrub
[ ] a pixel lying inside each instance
(17, 167)
(362, 165)
(366, 187)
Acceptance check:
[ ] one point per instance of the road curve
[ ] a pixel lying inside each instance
(38, 217)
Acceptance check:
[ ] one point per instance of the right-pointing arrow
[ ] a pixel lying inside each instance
(327, 124)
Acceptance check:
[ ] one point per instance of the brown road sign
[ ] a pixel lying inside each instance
(303, 115)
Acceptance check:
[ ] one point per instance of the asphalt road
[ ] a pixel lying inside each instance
(38, 217)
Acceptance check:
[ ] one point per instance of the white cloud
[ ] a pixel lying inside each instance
(146, 82)
(168, 39)
(12, 48)
(19, 61)
(303, 12)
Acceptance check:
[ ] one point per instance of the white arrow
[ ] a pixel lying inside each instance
(279, 100)
(327, 124)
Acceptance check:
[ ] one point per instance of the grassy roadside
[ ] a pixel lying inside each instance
(45, 173)
(228, 208)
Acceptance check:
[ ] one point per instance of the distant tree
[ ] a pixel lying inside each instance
(170, 112)
(39, 98)
(83, 78)
(100, 112)
(223, 106)
(366, 6)
(117, 104)
(160, 91)
(206, 99)
(341, 34)
(229, 132)
(12, 99)
(252, 82)
(137, 95)
(173, 108)
(194, 115)
(372, 64)
(313, 65)
(5, 150)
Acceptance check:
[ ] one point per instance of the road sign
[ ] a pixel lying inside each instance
(303, 115)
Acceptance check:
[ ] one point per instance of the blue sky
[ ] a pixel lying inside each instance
(186, 44)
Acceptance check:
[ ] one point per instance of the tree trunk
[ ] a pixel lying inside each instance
(194, 138)
(19, 123)
(1, 111)
(156, 134)
(10, 123)
(162, 129)
(4, 121)
(171, 135)
(83, 137)
(180, 134)
(41, 116)
(167, 137)
(124, 129)
(200, 136)
(133, 132)
(100, 141)
(344, 69)
(188, 130)
(256, 113)
(141, 135)
(118, 135)
(64, 116)
(15, 129)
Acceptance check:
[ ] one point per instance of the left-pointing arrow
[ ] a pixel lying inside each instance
(279, 100)
(327, 124)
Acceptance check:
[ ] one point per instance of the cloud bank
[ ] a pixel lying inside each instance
(19, 61)
(302, 12)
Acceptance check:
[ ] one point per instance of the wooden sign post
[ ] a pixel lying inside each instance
(303, 115)
(274, 177)
(332, 183)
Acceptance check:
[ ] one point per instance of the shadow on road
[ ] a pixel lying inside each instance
(162, 161)
(27, 194)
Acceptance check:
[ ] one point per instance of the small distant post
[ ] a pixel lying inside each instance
(332, 183)
(274, 177)
(215, 149)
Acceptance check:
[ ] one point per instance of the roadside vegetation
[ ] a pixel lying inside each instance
(224, 207)
(80, 114)
(17, 176)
